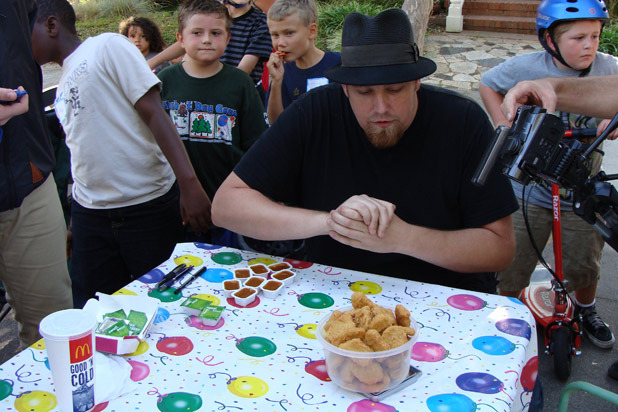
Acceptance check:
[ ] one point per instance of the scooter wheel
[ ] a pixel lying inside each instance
(562, 350)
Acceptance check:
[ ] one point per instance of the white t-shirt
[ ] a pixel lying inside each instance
(115, 160)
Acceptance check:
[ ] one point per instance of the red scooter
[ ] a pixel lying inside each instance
(547, 299)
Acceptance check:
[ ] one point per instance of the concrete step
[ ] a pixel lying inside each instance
(501, 24)
(515, 8)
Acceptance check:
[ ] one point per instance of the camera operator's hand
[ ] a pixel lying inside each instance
(532, 92)
(601, 128)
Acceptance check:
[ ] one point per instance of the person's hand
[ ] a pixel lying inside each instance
(602, 126)
(9, 110)
(532, 92)
(375, 214)
(355, 233)
(195, 207)
(275, 67)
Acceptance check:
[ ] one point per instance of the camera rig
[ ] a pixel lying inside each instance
(534, 149)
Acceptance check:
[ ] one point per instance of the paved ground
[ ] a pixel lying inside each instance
(462, 58)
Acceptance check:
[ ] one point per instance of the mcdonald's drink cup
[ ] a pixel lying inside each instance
(70, 349)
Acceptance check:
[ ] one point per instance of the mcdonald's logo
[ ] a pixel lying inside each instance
(80, 349)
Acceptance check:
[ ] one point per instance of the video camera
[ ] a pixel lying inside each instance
(534, 149)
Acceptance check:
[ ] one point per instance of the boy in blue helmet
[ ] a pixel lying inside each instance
(569, 31)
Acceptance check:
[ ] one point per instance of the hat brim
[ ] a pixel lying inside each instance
(374, 75)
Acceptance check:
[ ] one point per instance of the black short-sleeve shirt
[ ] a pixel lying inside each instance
(316, 156)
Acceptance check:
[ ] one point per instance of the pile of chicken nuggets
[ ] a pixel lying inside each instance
(368, 328)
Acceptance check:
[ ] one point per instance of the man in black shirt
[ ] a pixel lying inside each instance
(378, 170)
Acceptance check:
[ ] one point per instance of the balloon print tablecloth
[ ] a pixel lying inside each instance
(477, 352)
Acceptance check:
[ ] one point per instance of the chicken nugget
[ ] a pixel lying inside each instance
(402, 315)
(381, 321)
(376, 387)
(356, 345)
(340, 332)
(333, 317)
(359, 300)
(362, 317)
(368, 374)
(395, 361)
(396, 336)
(347, 376)
(375, 341)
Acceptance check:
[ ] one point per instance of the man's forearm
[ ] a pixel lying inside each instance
(246, 211)
(486, 249)
(591, 96)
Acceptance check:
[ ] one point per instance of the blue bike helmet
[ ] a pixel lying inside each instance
(551, 12)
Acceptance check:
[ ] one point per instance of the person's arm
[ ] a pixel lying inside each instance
(9, 110)
(592, 96)
(244, 210)
(275, 73)
(172, 52)
(248, 62)
(492, 100)
(489, 248)
(194, 203)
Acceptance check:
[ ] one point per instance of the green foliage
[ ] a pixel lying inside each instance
(612, 7)
(332, 13)
(609, 38)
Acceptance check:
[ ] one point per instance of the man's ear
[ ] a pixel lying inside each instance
(345, 90)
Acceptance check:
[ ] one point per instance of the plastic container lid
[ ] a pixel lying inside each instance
(67, 324)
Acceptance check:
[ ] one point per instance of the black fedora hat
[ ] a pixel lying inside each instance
(379, 50)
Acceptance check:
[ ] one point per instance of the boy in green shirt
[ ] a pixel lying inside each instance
(215, 107)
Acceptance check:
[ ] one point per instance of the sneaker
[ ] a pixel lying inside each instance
(596, 330)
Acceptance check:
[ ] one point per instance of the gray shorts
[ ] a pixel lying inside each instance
(582, 247)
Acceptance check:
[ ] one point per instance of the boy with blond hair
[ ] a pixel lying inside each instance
(215, 107)
(297, 65)
(570, 37)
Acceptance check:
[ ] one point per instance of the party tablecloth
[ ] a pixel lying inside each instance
(477, 352)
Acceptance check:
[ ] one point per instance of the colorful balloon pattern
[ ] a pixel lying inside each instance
(175, 345)
(479, 382)
(247, 387)
(316, 300)
(179, 402)
(307, 330)
(529, 374)
(318, 369)
(466, 302)
(35, 401)
(451, 402)
(493, 345)
(5, 389)
(227, 258)
(216, 275)
(428, 352)
(256, 346)
(139, 370)
(515, 327)
(153, 276)
(368, 288)
(370, 406)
